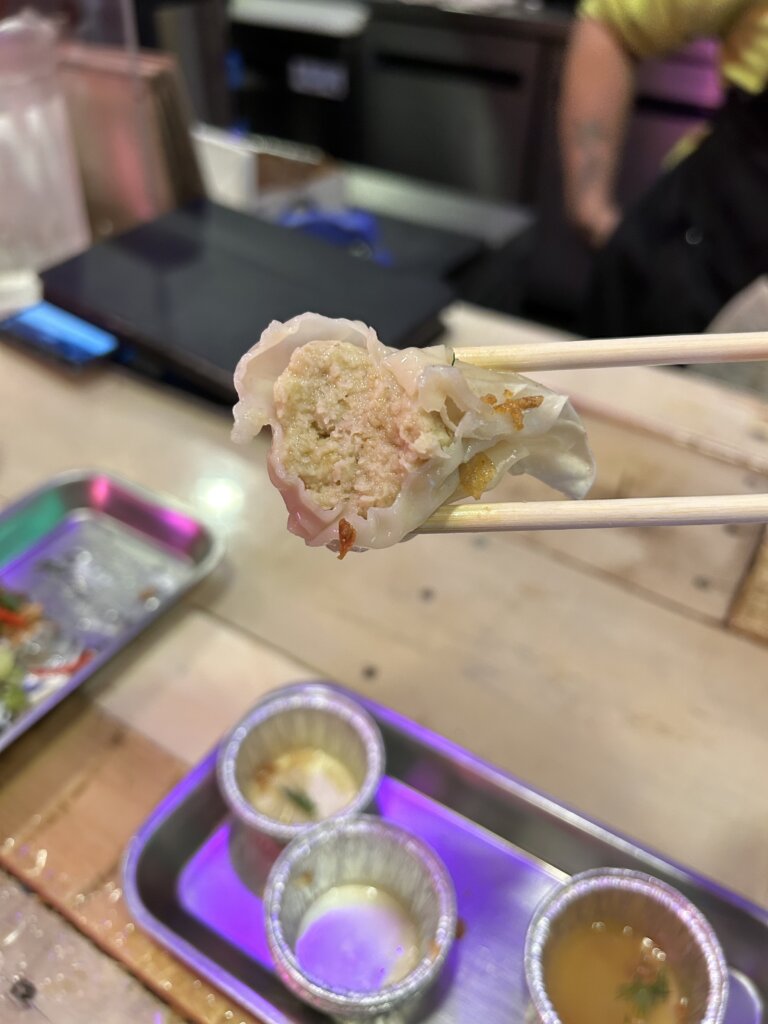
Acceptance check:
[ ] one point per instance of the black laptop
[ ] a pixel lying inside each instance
(192, 290)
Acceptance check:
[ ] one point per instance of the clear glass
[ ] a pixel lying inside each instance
(42, 212)
(45, 213)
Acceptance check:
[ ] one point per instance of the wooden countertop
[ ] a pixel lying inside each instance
(625, 672)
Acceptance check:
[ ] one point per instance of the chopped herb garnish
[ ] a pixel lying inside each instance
(13, 695)
(645, 995)
(13, 602)
(453, 359)
(300, 799)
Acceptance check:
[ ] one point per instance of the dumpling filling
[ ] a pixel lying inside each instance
(350, 431)
(367, 441)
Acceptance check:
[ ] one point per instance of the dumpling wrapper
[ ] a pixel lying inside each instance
(551, 446)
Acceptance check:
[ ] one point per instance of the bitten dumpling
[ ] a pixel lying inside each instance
(367, 441)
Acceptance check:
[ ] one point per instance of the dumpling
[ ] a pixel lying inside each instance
(367, 441)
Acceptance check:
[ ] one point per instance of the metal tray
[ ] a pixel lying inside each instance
(504, 844)
(104, 558)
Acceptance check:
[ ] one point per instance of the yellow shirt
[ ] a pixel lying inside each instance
(651, 28)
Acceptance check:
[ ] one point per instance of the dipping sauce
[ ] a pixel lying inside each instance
(305, 784)
(357, 937)
(609, 973)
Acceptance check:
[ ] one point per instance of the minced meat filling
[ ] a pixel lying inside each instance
(352, 434)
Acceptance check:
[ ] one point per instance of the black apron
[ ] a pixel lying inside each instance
(696, 239)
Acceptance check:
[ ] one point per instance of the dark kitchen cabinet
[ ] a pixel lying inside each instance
(467, 101)
(300, 85)
(451, 107)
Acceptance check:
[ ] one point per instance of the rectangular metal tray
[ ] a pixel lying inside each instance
(105, 558)
(505, 845)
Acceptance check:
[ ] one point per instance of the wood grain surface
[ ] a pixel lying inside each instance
(611, 669)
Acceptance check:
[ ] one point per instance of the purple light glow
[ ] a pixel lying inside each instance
(355, 946)
(463, 846)
(210, 889)
(497, 888)
(179, 525)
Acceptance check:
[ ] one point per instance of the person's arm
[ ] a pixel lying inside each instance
(597, 91)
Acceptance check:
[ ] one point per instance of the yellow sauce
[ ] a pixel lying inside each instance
(586, 972)
(301, 785)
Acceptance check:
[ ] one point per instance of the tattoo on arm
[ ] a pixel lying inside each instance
(590, 138)
(590, 131)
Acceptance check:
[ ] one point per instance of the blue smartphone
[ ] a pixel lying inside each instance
(51, 330)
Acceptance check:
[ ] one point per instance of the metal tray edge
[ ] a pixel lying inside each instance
(249, 997)
(179, 946)
(199, 572)
(531, 795)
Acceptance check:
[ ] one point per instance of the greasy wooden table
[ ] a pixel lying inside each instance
(625, 672)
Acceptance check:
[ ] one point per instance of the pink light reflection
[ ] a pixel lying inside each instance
(179, 524)
(100, 490)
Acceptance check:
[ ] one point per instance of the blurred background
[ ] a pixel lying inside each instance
(420, 137)
(460, 94)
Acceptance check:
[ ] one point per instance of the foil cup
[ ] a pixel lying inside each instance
(307, 716)
(363, 851)
(648, 904)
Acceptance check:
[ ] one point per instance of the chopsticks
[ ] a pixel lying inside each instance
(580, 355)
(609, 512)
(598, 513)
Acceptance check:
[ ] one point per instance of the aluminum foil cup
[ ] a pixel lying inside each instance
(300, 717)
(648, 904)
(365, 851)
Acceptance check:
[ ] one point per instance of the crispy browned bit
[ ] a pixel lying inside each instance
(148, 593)
(477, 475)
(514, 407)
(434, 949)
(306, 878)
(461, 928)
(264, 774)
(347, 537)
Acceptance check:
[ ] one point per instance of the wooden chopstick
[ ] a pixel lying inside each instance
(579, 355)
(611, 512)
(598, 514)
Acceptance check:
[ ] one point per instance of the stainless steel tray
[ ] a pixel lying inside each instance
(105, 558)
(504, 844)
